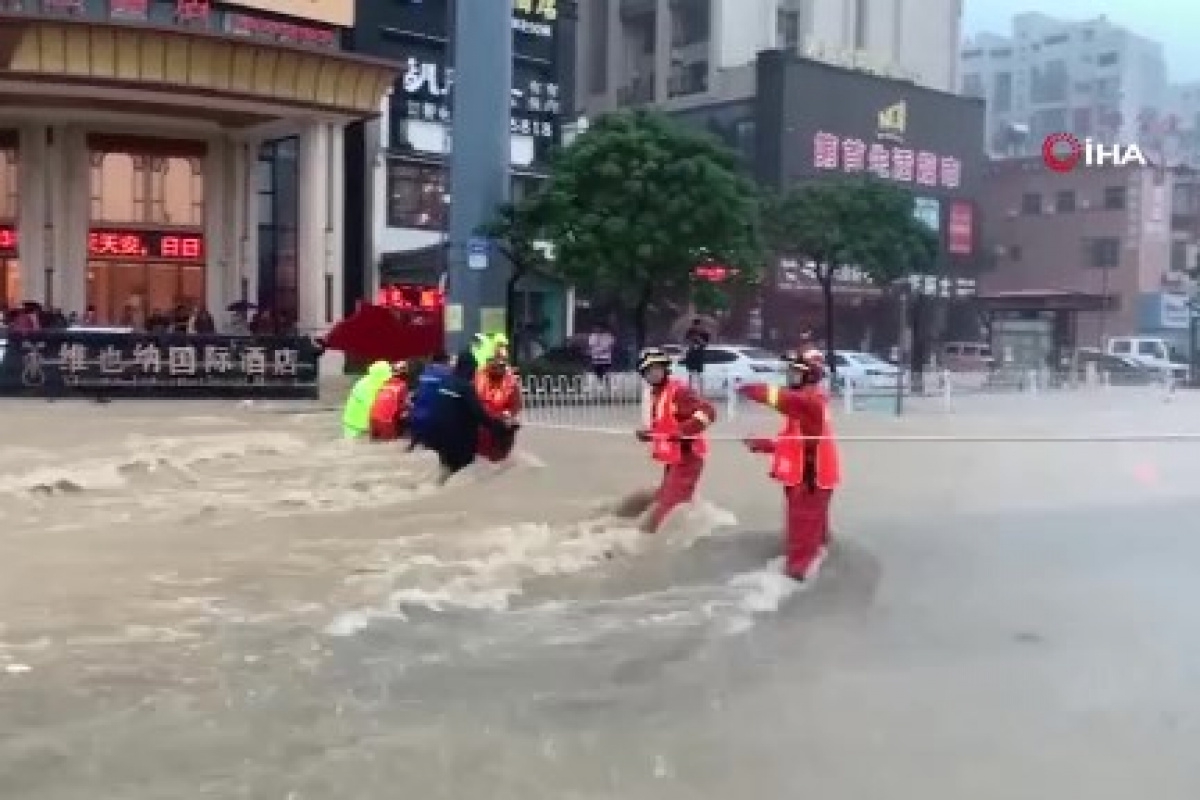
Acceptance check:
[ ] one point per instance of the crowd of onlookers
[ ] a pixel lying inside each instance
(185, 319)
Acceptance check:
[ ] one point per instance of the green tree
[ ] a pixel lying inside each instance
(518, 231)
(867, 224)
(637, 201)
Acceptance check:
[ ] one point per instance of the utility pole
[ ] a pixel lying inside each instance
(481, 110)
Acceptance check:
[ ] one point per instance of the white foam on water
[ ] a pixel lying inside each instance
(757, 594)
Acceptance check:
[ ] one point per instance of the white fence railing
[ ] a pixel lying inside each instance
(620, 401)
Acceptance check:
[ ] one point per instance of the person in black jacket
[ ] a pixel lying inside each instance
(458, 414)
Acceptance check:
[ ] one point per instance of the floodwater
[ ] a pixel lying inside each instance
(224, 601)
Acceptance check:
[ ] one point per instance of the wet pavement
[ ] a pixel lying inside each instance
(227, 602)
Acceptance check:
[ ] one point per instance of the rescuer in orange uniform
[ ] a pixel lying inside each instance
(679, 417)
(389, 411)
(500, 392)
(805, 459)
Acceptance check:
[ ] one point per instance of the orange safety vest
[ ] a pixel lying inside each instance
(665, 444)
(496, 397)
(788, 465)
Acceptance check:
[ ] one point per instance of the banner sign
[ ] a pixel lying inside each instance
(103, 363)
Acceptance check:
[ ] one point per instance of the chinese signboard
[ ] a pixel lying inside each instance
(835, 121)
(535, 17)
(960, 229)
(424, 94)
(300, 22)
(165, 365)
(145, 245)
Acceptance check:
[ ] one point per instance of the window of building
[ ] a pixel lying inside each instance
(1107, 59)
(10, 184)
(860, 24)
(416, 195)
(1002, 92)
(1103, 252)
(787, 28)
(1031, 204)
(598, 47)
(1015, 253)
(278, 225)
(1064, 202)
(1114, 198)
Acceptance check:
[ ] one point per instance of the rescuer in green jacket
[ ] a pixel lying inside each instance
(356, 416)
(485, 345)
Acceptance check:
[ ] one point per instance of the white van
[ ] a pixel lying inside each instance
(1152, 352)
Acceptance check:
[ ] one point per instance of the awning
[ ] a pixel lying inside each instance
(90, 64)
(1041, 300)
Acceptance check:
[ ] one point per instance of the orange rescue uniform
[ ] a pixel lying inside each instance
(807, 464)
(389, 412)
(501, 398)
(679, 417)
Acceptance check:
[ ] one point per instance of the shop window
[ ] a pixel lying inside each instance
(156, 190)
(10, 283)
(10, 188)
(416, 196)
(132, 293)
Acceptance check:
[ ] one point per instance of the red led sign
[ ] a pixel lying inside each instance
(8, 239)
(411, 296)
(119, 245)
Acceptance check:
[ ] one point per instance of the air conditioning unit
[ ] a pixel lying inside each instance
(1012, 213)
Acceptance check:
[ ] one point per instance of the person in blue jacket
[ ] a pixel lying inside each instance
(425, 397)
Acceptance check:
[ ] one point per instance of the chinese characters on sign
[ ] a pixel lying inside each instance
(960, 229)
(535, 17)
(99, 360)
(280, 31)
(145, 245)
(8, 239)
(834, 153)
(426, 85)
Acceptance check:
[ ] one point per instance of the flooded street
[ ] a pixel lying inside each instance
(225, 601)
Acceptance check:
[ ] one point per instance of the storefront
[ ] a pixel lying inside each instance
(132, 135)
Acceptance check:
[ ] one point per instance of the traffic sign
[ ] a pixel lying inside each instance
(477, 253)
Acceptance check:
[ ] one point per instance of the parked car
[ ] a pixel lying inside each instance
(728, 365)
(1121, 370)
(967, 356)
(864, 371)
(1151, 352)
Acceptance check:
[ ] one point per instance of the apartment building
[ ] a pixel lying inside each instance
(1080, 257)
(1089, 78)
(677, 54)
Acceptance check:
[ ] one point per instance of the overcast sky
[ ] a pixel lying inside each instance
(1175, 23)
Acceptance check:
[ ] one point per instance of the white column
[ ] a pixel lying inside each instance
(34, 176)
(73, 205)
(319, 242)
(244, 265)
(217, 233)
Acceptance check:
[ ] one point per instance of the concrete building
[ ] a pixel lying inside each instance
(680, 53)
(1080, 257)
(1089, 78)
(397, 182)
(164, 152)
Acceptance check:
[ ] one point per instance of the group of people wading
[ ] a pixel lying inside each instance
(461, 409)
(469, 408)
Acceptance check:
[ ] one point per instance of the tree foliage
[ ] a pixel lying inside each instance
(518, 231)
(868, 225)
(636, 202)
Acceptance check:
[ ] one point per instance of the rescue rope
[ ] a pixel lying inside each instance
(1083, 438)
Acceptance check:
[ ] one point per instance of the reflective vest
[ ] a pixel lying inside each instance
(387, 407)
(665, 444)
(496, 396)
(787, 466)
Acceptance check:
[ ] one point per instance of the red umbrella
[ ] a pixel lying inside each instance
(375, 333)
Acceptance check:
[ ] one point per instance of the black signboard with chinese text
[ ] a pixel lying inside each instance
(111, 364)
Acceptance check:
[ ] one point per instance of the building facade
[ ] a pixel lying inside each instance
(679, 53)
(1081, 257)
(131, 133)
(1088, 78)
(397, 182)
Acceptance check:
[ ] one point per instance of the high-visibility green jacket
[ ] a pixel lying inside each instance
(356, 416)
(485, 346)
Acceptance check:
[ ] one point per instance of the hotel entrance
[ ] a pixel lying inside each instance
(136, 278)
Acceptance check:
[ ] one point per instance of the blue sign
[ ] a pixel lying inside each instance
(477, 253)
